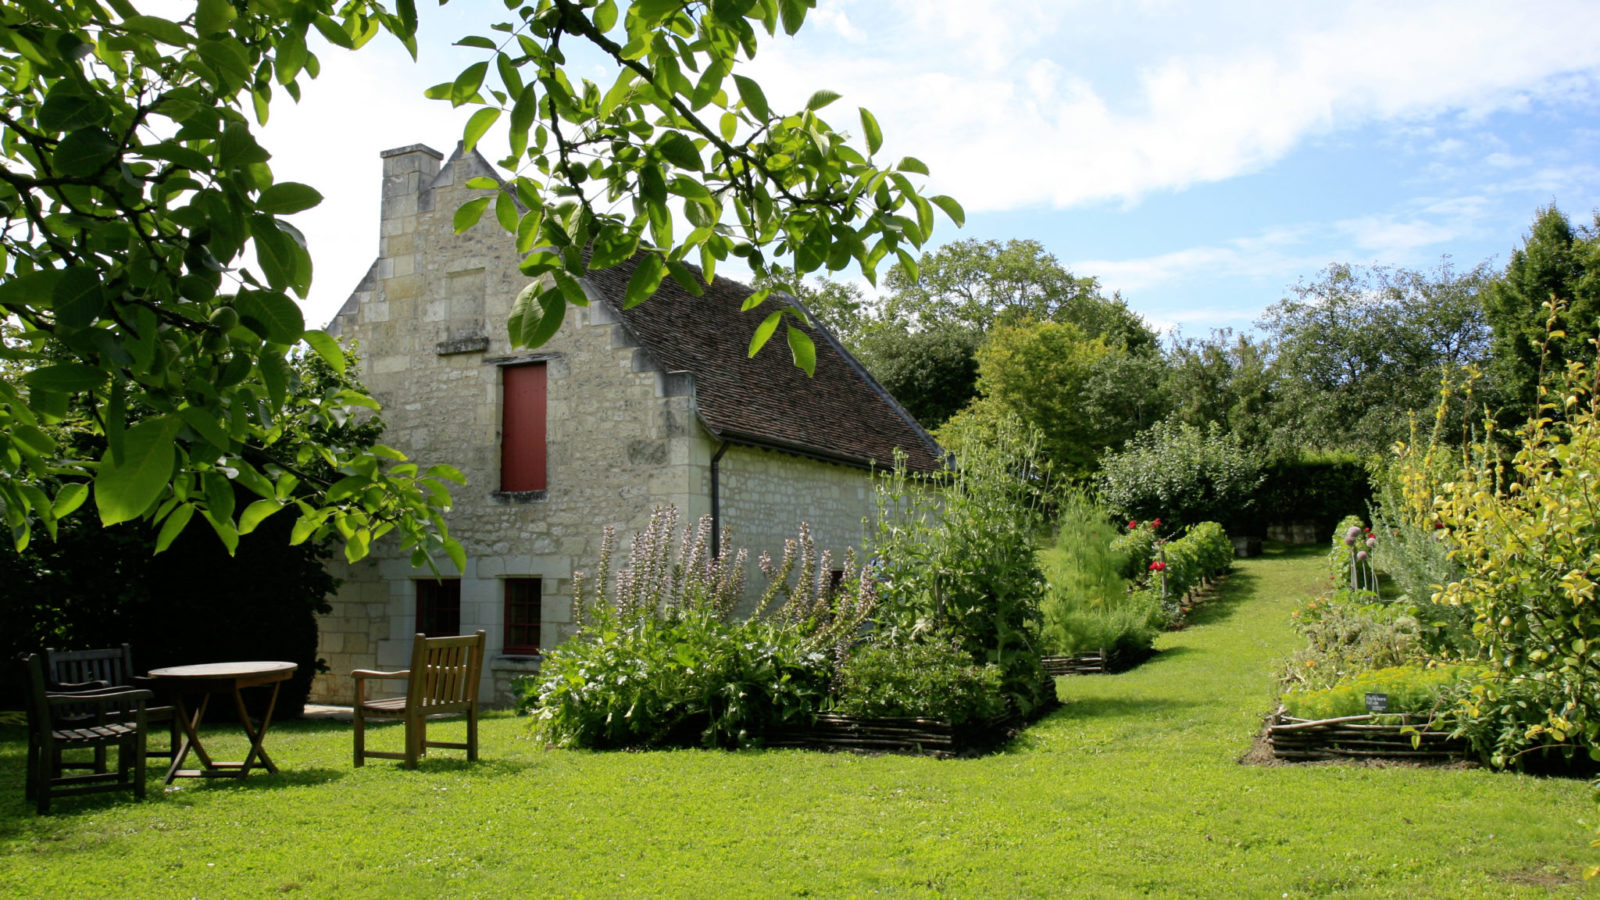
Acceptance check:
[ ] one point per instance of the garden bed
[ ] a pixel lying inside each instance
(1362, 737)
(1098, 662)
(905, 736)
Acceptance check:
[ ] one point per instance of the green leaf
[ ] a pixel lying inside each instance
(505, 212)
(951, 208)
(69, 498)
(447, 472)
(326, 347)
(794, 14)
(78, 297)
(165, 31)
(126, 487)
(176, 521)
(752, 96)
(83, 153)
(680, 151)
(480, 123)
(645, 280)
(256, 513)
(68, 108)
(542, 320)
(31, 289)
(207, 425)
(466, 85)
(605, 15)
(212, 16)
(912, 164)
(764, 330)
(612, 246)
(275, 376)
(66, 378)
(469, 213)
(570, 288)
(755, 299)
(219, 496)
(820, 99)
(271, 315)
(803, 350)
(286, 198)
(869, 128)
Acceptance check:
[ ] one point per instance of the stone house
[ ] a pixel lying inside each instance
(620, 412)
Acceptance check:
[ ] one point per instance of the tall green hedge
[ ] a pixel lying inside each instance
(98, 587)
(1320, 490)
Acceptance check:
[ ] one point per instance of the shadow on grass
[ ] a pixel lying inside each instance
(1117, 707)
(1224, 599)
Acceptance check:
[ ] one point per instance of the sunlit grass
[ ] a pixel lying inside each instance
(1133, 787)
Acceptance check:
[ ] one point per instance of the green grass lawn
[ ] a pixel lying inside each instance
(1133, 787)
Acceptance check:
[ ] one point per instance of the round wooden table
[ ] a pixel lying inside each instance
(221, 678)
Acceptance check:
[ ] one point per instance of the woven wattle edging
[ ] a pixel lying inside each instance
(1362, 737)
(910, 736)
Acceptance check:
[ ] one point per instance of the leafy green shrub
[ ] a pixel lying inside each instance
(1088, 605)
(957, 557)
(660, 661)
(1415, 689)
(1137, 547)
(923, 679)
(1181, 473)
(1527, 535)
(691, 679)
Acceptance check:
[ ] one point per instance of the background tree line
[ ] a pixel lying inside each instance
(1334, 373)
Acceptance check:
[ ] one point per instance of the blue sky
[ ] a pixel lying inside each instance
(1199, 158)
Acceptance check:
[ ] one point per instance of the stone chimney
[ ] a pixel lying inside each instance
(407, 173)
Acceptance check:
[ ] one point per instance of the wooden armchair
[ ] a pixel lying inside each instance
(442, 680)
(80, 670)
(119, 720)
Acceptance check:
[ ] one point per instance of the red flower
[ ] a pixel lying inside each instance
(1158, 566)
(1132, 524)
(1438, 525)
(1155, 523)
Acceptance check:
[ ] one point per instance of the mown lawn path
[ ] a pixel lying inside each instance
(1132, 788)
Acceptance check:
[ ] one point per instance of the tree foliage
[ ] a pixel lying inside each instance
(605, 171)
(151, 271)
(1182, 475)
(132, 190)
(1556, 262)
(1359, 348)
(1083, 395)
(977, 285)
(1524, 532)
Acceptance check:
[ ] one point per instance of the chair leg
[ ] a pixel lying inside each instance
(139, 748)
(472, 734)
(416, 736)
(361, 737)
(30, 786)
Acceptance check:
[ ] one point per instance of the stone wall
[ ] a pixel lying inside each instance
(766, 494)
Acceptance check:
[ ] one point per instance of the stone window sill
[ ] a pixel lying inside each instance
(516, 498)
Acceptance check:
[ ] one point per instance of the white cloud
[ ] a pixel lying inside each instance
(1013, 107)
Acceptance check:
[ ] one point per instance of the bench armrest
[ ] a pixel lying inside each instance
(374, 673)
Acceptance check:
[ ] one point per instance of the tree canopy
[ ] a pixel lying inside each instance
(1557, 264)
(151, 274)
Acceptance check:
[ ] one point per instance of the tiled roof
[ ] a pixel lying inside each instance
(841, 413)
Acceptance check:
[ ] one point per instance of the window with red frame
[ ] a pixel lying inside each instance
(523, 611)
(439, 606)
